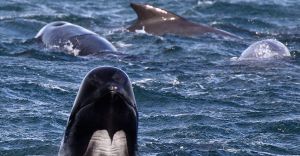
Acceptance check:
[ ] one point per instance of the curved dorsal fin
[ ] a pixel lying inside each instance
(145, 12)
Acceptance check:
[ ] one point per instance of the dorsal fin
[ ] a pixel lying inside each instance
(146, 12)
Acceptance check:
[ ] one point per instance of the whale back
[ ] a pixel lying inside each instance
(159, 22)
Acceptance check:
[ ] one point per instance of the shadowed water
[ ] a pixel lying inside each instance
(193, 99)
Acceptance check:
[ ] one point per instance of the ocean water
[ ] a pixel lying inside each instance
(193, 98)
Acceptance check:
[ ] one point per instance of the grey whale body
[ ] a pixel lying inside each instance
(159, 22)
(73, 39)
(265, 49)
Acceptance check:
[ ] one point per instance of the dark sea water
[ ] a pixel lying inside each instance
(193, 98)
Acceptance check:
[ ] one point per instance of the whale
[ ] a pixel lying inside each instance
(72, 39)
(104, 117)
(265, 49)
(158, 21)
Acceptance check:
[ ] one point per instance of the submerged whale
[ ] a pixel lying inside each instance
(158, 22)
(73, 39)
(265, 49)
(104, 118)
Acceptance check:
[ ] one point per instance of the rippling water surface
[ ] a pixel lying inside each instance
(192, 98)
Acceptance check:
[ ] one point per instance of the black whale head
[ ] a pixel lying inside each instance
(104, 118)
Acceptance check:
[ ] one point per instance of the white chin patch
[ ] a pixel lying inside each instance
(101, 145)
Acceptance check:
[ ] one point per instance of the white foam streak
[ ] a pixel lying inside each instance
(142, 31)
(69, 47)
